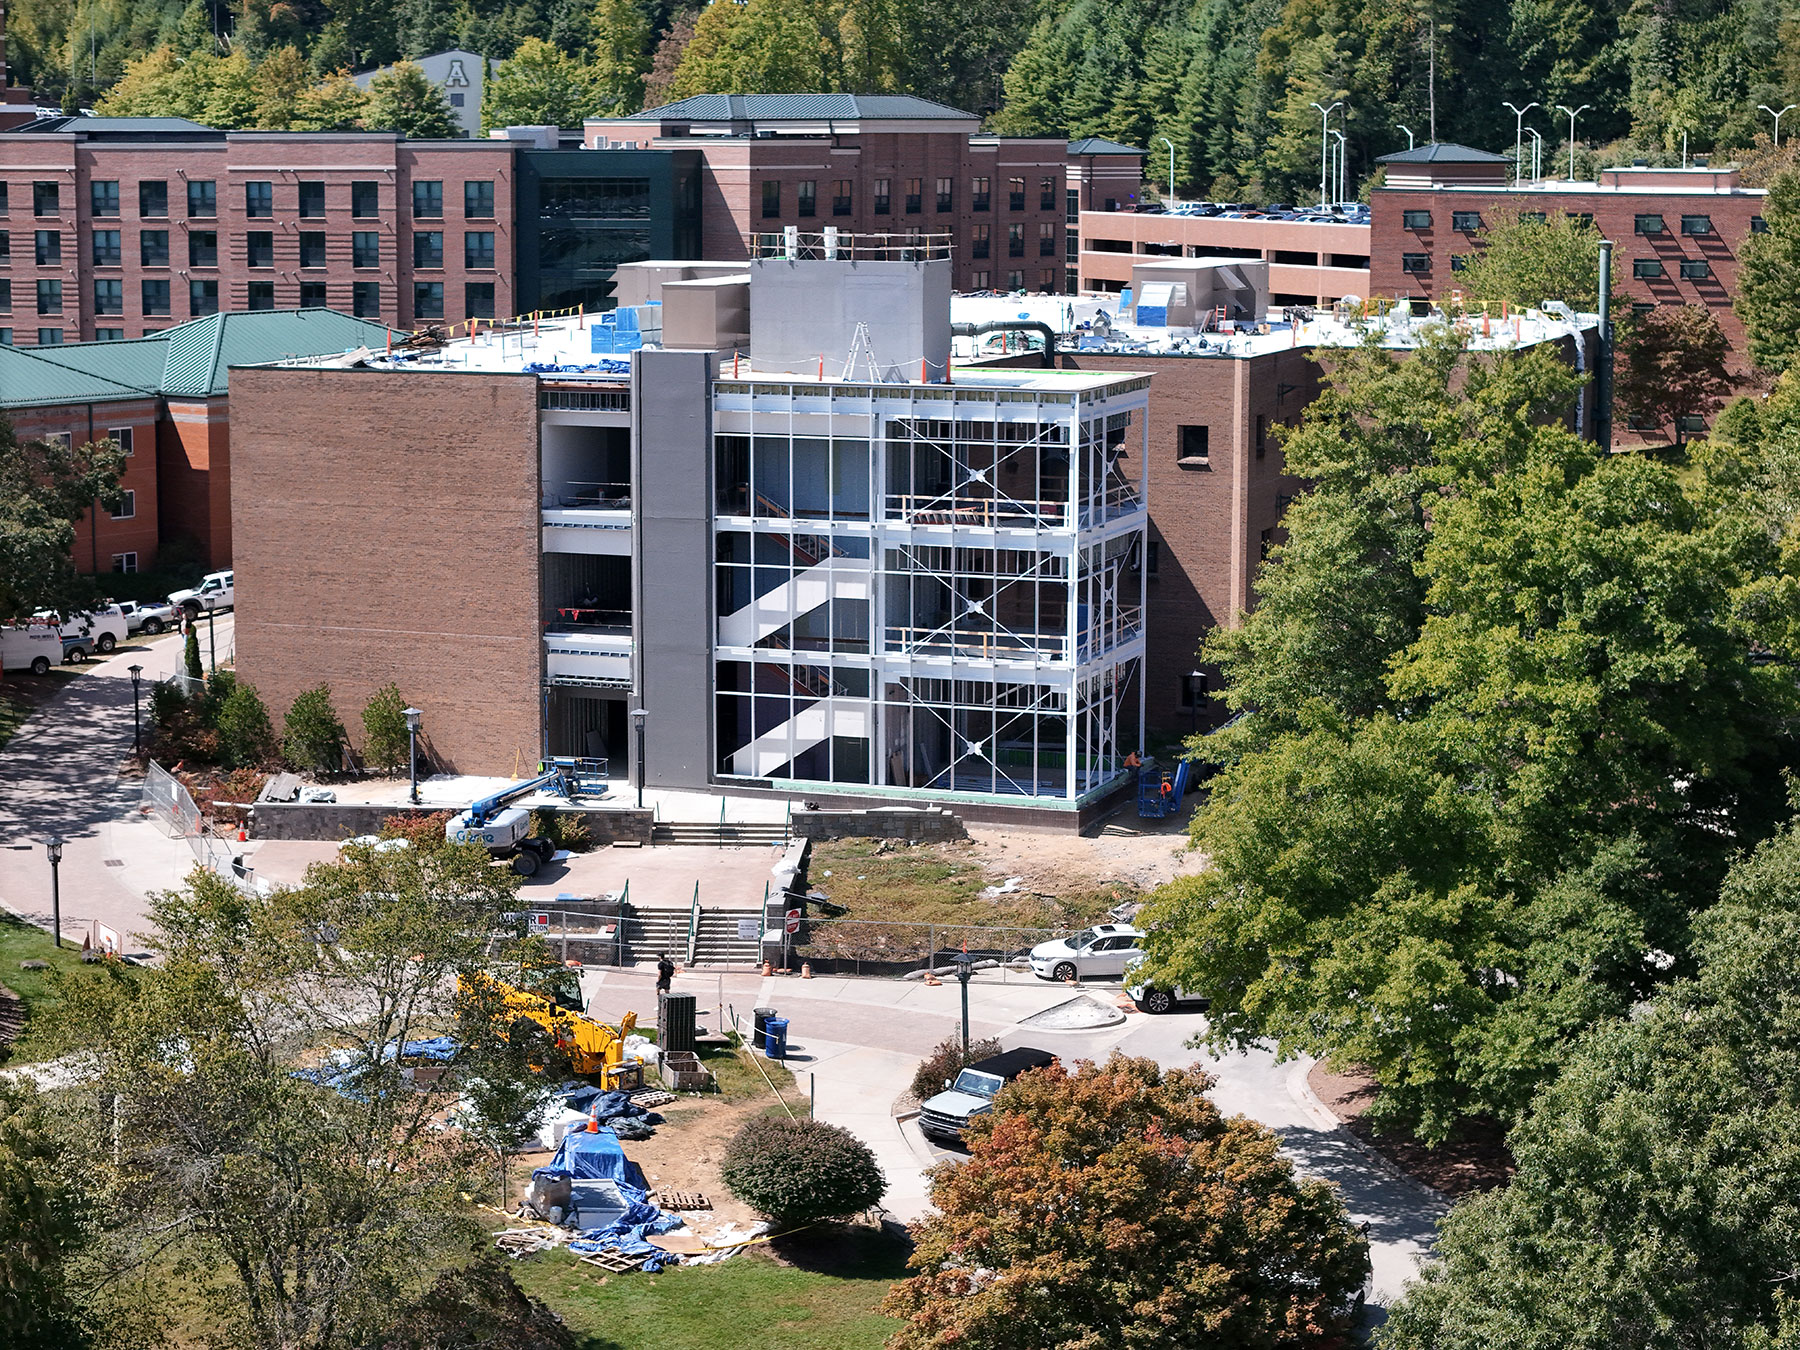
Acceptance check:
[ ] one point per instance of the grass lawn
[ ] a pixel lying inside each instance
(824, 1298)
(20, 941)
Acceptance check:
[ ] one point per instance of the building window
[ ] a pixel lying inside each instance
(313, 295)
(124, 562)
(108, 334)
(840, 197)
(262, 295)
(883, 201)
(809, 198)
(981, 279)
(312, 201)
(1192, 443)
(1459, 262)
(127, 508)
(915, 196)
(153, 247)
(6, 293)
(1695, 269)
(1465, 222)
(1015, 194)
(365, 299)
(203, 298)
(1266, 543)
(153, 199)
(109, 296)
(944, 194)
(1532, 218)
(121, 437)
(771, 199)
(1646, 268)
(49, 297)
(456, 100)
(1015, 281)
(1649, 223)
(478, 300)
(103, 198)
(4, 208)
(1639, 422)
(1262, 435)
(156, 296)
(365, 249)
(428, 199)
(428, 248)
(50, 337)
(478, 250)
(1047, 240)
(6, 337)
(203, 248)
(107, 249)
(49, 247)
(1047, 279)
(46, 199)
(1584, 220)
(1691, 424)
(980, 241)
(478, 199)
(428, 299)
(203, 198)
(1639, 308)
(312, 248)
(1416, 220)
(1416, 264)
(365, 200)
(1046, 194)
(1153, 557)
(259, 249)
(1015, 241)
(1758, 225)
(259, 200)
(1696, 225)
(5, 247)
(979, 196)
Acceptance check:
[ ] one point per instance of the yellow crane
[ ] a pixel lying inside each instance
(593, 1047)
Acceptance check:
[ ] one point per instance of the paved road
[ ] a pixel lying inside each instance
(61, 774)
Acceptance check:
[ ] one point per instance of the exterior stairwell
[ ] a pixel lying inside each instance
(718, 943)
(719, 834)
(841, 578)
(650, 929)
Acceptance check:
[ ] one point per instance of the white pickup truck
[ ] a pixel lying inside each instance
(147, 616)
(213, 592)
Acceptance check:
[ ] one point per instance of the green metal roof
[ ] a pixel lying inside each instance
(190, 360)
(1099, 145)
(798, 108)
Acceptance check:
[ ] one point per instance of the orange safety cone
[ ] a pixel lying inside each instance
(243, 834)
(806, 970)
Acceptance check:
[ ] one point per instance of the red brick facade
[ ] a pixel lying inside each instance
(109, 232)
(397, 540)
(104, 542)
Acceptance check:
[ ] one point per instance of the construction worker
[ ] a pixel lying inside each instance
(1134, 760)
(665, 972)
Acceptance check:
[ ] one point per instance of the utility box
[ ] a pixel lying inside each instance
(675, 1022)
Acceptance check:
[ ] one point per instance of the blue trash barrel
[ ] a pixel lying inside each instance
(776, 1031)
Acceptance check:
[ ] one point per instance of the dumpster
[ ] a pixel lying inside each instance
(759, 1021)
(776, 1031)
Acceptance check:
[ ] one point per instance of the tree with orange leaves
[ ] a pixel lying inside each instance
(1115, 1206)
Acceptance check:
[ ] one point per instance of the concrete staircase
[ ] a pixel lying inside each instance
(650, 929)
(714, 834)
(718, 943)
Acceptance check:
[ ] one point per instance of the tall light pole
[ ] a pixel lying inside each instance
(638, 717)
(1519, 141)
(137, 733)
(1573, 114)
(1408, 131)
(1761, 107)
(1537, 153)
(53, 847)
(1342, 143)
(1196, 691)
(1171, 144)
(412, 716)
(963, 972)
(1325, 144)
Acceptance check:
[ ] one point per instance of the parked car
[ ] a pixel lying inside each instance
(972, 1092)
(34, 647)
(147, 616)
(99, 630)
(1104, 949)
(214, 592)
(76, 649)
(1160, 998)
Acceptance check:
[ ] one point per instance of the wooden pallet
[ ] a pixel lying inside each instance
(683, 1200)
(650, 1097)
(615, 1262)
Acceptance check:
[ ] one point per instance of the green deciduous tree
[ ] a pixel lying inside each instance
(539, 86)
(801, 1171)
(1768, 298)
(385, 740)
(246, 735)
(1118, 1206)
(312, 736)
(45, 488)
(45, 1223)
(620, 55)
(1674, 368)
(1523, 261)
(402, 99)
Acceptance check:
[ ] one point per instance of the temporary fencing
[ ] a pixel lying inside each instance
(172, 807)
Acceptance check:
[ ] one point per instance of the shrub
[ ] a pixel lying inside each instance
(797, 1171)
(426, 832)
(246, 735)
(190, 654)
(177, 730)
(312, 736)
(385, 742)
(948, 1060)
(565, 829)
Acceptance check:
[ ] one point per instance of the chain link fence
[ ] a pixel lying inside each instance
(885, 947)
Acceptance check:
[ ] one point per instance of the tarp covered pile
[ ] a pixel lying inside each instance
(591, 1173)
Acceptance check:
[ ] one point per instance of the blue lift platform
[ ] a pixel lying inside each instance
(1154, 802)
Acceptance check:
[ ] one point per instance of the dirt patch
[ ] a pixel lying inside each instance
(1475, 1158)
(1059, 864)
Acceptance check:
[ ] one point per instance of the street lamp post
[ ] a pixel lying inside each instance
(638, 717)
(212, 640)
(1196, 686)
(1343, 143)
(1408, 131)
(1573, 114)
(53, 847)
(1537, 153)
(1325, 144)
(412, 716)
(963, 972)
(1519, 140)
(137, 733)
(1763, 107)
(1171, 144)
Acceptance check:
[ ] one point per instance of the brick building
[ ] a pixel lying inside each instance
(165, 400)
(1310, 262)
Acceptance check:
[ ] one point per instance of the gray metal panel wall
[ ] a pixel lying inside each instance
(671, 474)
(805, 310)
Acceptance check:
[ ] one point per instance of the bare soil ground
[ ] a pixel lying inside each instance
(1057, 863)
(1474, 1159)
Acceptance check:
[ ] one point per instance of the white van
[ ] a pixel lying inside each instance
(35, 647)
(95, 630)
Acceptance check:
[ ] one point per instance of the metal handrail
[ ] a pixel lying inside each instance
(694, 920)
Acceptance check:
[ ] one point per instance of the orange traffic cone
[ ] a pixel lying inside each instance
(806, 970)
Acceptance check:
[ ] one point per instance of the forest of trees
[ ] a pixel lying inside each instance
(1230, 82)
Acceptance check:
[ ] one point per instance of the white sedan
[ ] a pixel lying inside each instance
(1104, 949)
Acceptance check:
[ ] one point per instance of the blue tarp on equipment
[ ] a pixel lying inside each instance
(588, 1154)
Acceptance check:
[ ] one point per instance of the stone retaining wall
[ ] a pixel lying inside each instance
(930, 825)
(344, 820)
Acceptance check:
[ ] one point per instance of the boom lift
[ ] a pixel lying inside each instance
(505, 831)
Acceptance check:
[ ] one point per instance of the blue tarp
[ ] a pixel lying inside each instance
(587, 1154)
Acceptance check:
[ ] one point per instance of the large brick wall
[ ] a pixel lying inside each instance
(385, 527)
